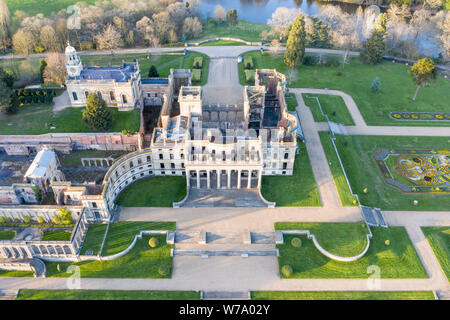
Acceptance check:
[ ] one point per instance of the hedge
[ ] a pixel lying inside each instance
(196, 75)
(249, 76)
(35, 95)
(198, 62)
(248, 63)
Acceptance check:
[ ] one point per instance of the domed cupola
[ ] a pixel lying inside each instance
(73, 62)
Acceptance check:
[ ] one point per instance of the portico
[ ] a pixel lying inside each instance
(224, 177)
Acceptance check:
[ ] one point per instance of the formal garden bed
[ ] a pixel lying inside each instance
(199, 65)
(342, 295)
(27, 294)
(7, 234)
(415, 170)
(298, 190)
(439, 240)
(73, 159)
(355, 79)
(142, 261)
(390, 250)
(420, 116)
(357, 154)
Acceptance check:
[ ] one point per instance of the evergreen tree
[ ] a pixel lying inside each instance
(153, 73)
(232, 18)
(375, 87)
(374, 48)
(42, 66)
(320, 36)
(295, 47)
(6, 94)
(96, 114)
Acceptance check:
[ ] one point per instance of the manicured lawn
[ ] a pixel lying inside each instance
(163, 63)
(57, 235)
(154, 192)
(189, 62)
(292, 102)
(357, 156)
(397, 88)
(223, 43)
(342, 295)
(141, 262)
(94, 238)
(439, 240)
(245, 30)
(121, 234)
(37, 119)
(347, 199)
(333, 106)
(74, 159)
(298, 190)
(7, 235)
(106, 295)
(46, 7)
(342, 239)
(398, 260)
(14, 273)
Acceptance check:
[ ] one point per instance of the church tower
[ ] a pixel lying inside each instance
(73, 62)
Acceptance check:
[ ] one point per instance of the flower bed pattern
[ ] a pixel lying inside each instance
(420, 171)
(420, 116)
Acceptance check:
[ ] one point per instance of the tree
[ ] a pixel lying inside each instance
(192, 27)
(42, 66)
(219, 13)
(23, 42)
(8, 77)
(232, 18)
(281, 19)
(64, 216)
(375, 87)
(48, 38)
(422, 73)
(5, 36)
(146, 30)
(162, 25)
(96, 114)
(110, 39)
(374, 48)
(295, 46)
(6, 94)
(153, 73)
(55, 70)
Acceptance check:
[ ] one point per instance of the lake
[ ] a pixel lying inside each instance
(261, 10)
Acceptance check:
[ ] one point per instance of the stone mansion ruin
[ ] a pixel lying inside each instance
(214, 146)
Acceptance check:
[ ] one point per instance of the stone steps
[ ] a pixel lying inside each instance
(226, 253)
(8, 294)
(226, 295)
(206, 237)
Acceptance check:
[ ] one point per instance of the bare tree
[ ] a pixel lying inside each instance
(48, 38)
(23, 42)
(281, 18)
(55, 71)
(220, 13)
(146, 29)
(110, 39)
(192, 27)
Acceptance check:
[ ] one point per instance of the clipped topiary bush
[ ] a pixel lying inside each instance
(27, 219)
(153, 242)
(40, 220)
(248, 63)
(58, 267)
(250, 76)
(387, 243)
(296, 242)
(164, 270)
(2, 220)
(286, 271)
(196, 75)
(198, 62)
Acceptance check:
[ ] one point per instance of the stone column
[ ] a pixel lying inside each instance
(208, 181)
(198, 179)
(249, 181)
(259, 178)
(219, 177)
(188, 179)
(239, 179)
(228, 179)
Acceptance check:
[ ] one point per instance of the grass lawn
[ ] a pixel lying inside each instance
(74, 159)
(333, 106)
(57, 235)
(399, 260)
(439, 240)
(154, 192)
(7, 235)
(298, 190)
(140, 262)
(163, 63)
(357, 156)
(347, 199)
(33, 7)
(106, 295)
(222, 43)
(121, 234)
(37, 119)
(291, 100)
(16, 273)
(94, 237)
(245, 30)
(189, 61)
(342, 295)
(397, 88)
(347, 240)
